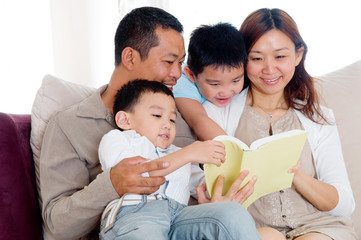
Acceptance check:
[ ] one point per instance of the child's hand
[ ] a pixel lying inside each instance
(207, 152)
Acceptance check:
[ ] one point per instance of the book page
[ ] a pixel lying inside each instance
(270, 162)
(256, 144)
(230, 168)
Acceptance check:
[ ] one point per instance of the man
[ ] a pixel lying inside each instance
(74, 190)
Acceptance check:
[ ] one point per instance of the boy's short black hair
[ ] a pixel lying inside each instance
(129, 95)
(219, 45)
(137, 30)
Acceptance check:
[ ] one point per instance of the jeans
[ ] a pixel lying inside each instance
(168, 219)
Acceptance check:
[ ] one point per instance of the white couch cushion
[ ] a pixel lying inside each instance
(341, 91)
(53, 95)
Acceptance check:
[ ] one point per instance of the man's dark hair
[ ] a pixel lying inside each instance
(137, 30)
(129, 95)
(219, 45)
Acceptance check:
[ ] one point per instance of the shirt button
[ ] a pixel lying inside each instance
(283, 216)
(288, 236)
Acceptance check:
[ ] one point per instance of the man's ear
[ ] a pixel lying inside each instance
(129, 56)
(189, 74)
(122, 120)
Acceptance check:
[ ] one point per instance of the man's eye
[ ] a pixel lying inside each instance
(281, 56)
(169, 62)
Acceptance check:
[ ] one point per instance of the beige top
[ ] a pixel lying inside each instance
(287, 210)
(74, 190)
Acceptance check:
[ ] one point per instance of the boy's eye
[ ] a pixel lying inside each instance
(214, 84)
(236, 81)
(172, 121)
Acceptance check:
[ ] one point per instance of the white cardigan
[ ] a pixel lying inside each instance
(323, 139)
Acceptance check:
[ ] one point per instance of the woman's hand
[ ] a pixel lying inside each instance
(234, 194)
(296, 170)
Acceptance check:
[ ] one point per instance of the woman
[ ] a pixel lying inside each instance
(281, 97)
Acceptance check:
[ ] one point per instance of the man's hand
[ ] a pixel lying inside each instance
(126, 176)
(233, 193)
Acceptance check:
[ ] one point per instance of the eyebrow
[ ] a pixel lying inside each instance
(175, 55)
(160, 108)
(215, 80)
(277, 50)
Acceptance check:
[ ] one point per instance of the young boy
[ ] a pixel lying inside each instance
(214, 72)
(145, 112)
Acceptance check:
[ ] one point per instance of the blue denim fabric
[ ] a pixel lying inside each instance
(168, 219)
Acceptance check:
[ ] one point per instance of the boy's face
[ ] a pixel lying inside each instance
(219, 85)
(164, 61)
(154, 116)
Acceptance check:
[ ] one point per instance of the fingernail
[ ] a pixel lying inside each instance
(165, 164)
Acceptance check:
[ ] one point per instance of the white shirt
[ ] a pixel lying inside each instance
(117, 145)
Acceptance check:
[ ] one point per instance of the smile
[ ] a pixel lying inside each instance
(272, 80)
(164, 136)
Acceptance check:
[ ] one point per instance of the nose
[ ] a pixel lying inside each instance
(166, 124)
(269, 66)
(176, 71)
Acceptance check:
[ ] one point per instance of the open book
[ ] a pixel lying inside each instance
(268, 158)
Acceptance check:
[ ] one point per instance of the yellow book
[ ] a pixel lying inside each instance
(268, 158)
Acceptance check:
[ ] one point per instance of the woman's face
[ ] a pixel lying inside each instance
(272, 62)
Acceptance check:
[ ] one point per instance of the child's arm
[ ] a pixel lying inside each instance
(200, 152)
(196, 117)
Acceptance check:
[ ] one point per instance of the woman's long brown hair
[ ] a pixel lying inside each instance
(300, 92)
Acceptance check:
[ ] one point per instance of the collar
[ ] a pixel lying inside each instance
(93, 107)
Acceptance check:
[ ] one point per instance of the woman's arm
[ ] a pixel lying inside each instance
(196, 117)
(330, 166)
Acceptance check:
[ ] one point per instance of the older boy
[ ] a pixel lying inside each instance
(214, 72)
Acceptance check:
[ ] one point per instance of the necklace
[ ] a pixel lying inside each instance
(270, 115)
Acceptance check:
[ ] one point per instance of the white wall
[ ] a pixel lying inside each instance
(73, 39)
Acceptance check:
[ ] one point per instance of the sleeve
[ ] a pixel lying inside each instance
(330, 165)
(112, 149)
(187, 89)
(72, 202)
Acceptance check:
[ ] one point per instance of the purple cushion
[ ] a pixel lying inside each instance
(19, 208)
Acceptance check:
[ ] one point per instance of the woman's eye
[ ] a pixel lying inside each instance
(256, 59)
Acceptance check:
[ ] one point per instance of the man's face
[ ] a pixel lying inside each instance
(164, 61)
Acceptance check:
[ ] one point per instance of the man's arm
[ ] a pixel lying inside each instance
(196, 117)
(74, 191)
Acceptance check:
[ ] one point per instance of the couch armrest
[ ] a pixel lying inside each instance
(19, 208)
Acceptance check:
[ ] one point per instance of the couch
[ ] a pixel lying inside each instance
(21, 136)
